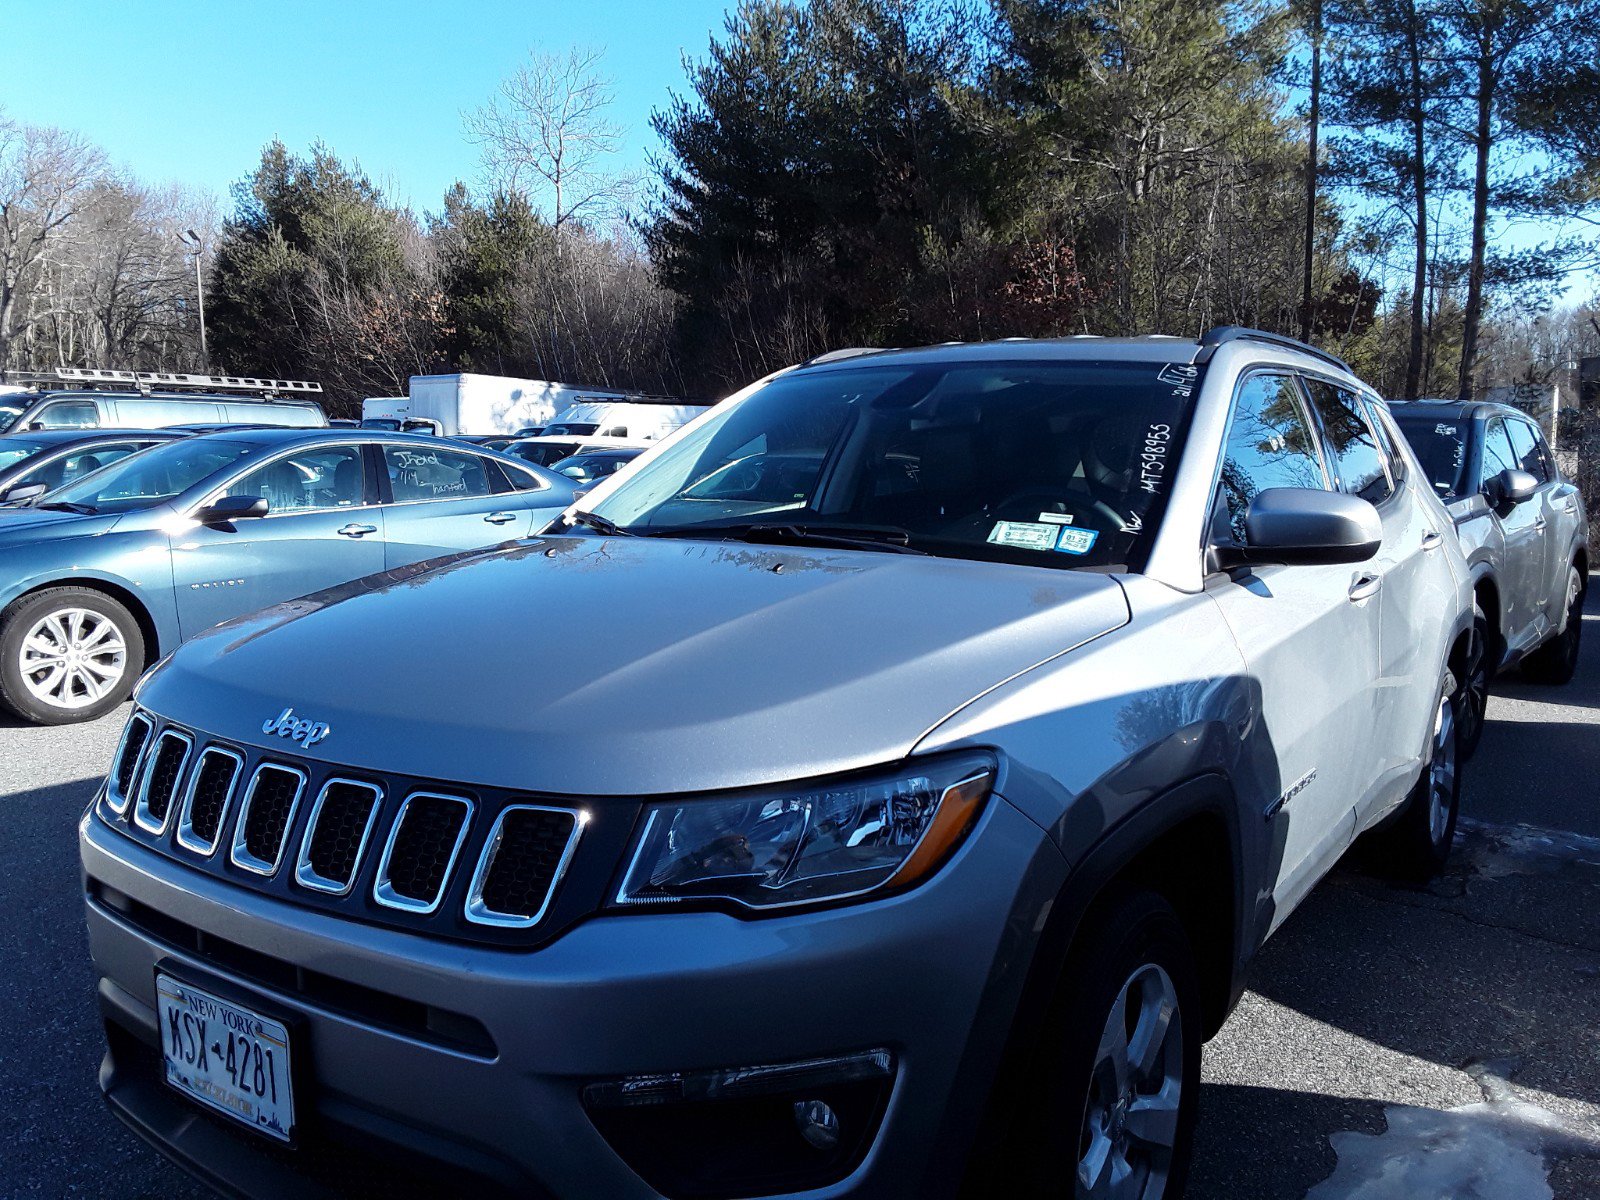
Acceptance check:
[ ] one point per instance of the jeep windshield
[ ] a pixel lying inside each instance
(1059, 464)
(1441, 448)
(150, 477)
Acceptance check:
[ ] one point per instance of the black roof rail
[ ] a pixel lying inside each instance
(1223, 334)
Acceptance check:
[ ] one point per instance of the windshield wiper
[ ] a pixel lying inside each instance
(598, 523)
(834, 536)
(87, 510)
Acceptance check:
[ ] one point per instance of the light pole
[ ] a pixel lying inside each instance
(190, 238)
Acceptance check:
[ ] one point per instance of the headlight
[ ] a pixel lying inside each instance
(779, 847)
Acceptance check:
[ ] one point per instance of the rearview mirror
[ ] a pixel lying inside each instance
(23, 493)
(229, 509)
(1305, 526)
(1511, 487)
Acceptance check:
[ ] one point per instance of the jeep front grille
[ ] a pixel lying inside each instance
(336, 835)
(205, 804)
(265, 817)
(422, 850)
(525, 858)
(160, 780)
(135, 736)
(469, 862)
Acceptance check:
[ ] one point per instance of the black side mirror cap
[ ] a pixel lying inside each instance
(228, 509)
(1304, 526)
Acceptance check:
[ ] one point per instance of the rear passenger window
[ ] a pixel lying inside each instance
(1270, 445)
(424, 473)
(1351, 442)
(1530, 455)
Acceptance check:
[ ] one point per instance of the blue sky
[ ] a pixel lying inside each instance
(188, 92)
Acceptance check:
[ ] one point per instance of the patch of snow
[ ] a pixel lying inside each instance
(1496, 1149)
(1497, 851)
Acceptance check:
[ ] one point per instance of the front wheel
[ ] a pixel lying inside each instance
(1557, 660)
(67, 654)
(1119, 1104)
(1473, 702)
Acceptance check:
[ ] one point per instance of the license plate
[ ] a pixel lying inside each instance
(234, 1060)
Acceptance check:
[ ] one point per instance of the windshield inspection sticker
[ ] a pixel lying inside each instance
(1077, 541)
(1056, 518)
(1025, 535)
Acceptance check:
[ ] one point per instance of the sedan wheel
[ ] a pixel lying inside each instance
(67, 654)
(72, 658)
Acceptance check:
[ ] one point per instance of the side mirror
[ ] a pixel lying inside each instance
(1306, 526)
(1511, 487)
(229, 509)
(23, 493)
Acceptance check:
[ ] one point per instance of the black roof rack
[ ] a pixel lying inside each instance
(1223, 334)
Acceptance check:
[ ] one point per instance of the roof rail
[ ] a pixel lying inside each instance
(1223, 334)
(96, 378)
(843, 353)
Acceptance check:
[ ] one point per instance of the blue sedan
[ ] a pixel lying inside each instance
(112, 571)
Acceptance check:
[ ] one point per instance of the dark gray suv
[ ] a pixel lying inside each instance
(919, 747)
(1524, 531)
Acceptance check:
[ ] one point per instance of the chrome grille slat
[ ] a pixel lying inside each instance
(158, 783)
(522, 864)
(125, 766)
(337, 834)
(420, 854)
(265, 817)
(207, 799)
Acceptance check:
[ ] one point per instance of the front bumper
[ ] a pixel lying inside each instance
(474, 1058)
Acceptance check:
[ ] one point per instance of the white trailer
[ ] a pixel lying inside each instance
(468, 403)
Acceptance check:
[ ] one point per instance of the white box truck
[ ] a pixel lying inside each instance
(469, 404)
(636, 420)
(385, 412)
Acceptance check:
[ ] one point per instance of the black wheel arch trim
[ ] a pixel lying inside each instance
(1207, 796)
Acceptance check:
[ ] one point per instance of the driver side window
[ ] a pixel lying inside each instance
(1497, 452)
(321, 478)
(1270, 445)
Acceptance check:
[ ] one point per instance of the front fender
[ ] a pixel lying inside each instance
(137, 574)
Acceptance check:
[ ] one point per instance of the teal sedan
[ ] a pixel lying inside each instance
(103, 576)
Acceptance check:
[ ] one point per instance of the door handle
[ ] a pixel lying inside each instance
(1432, 540)
(1366, 586)
(355, 531)
(500, 518)
(1540, 523)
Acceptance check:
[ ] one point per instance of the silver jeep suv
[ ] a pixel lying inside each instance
(920, 746)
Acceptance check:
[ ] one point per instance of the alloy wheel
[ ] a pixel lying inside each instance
(1474, 688)
(1130, 1122)
(1442, 772)
(72, 658)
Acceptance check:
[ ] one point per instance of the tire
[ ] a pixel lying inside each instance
(1417, 845)
(1556, 661)
(102, 655)
(1135, 959)
(1472, 700)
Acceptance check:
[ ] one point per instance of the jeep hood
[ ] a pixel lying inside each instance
(629, 666)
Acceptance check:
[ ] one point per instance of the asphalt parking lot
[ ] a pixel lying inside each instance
(1413, 1043)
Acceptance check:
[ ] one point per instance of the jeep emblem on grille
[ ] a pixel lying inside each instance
(297, 729)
